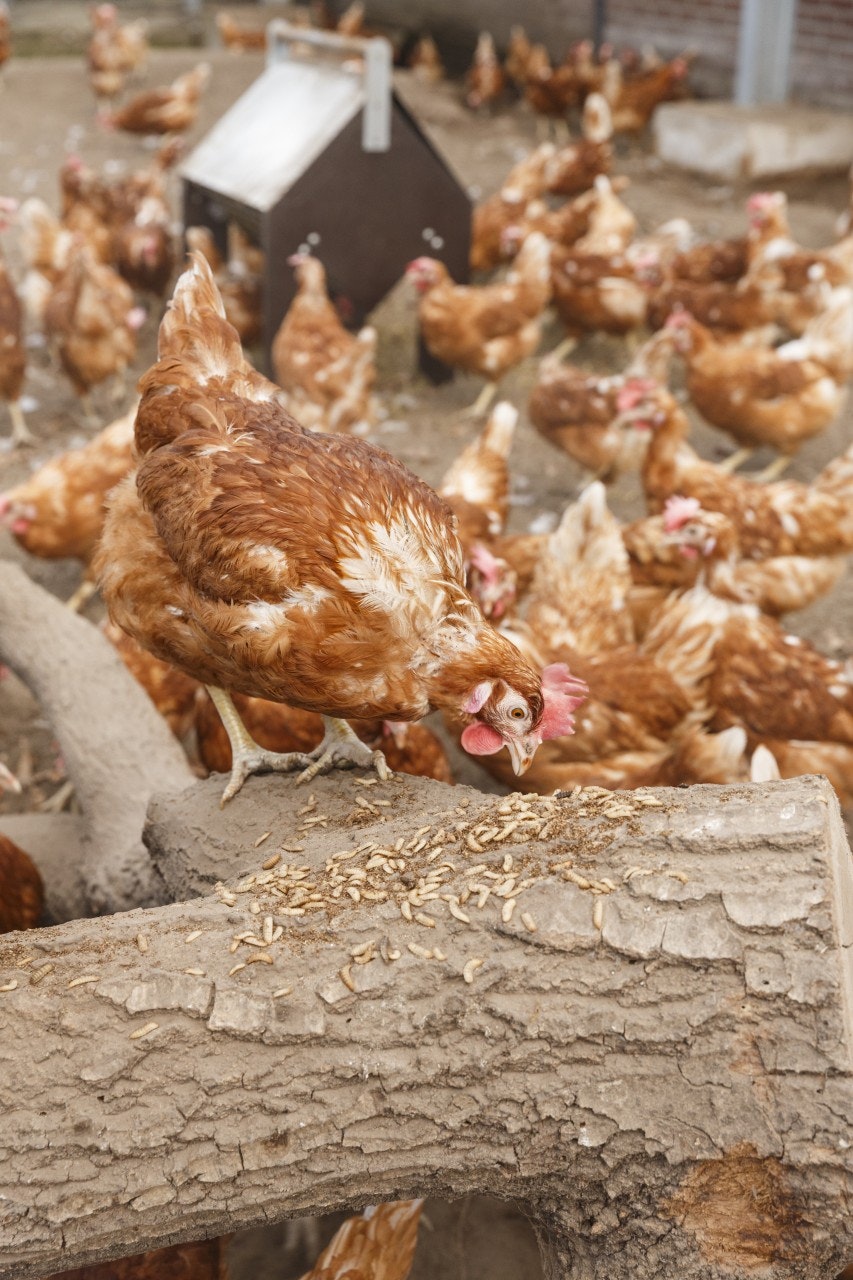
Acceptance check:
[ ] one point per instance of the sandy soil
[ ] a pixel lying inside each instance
(46, 111)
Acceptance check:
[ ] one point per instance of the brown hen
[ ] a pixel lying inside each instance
(13, 357)
(379, 1244)
(21, 887)
(485, 82)
(476, 484)
(92, 319)
(171, 109)
(313, 570)
(327, 372)
(489, 328)
(782, 519)
(59, 510)
(760, 395)
(200, 1260)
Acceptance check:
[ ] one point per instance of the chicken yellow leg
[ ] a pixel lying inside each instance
(247, 757)
(21, 433)
(774, 469)
(481, 404)
(735, 460)
(340, 749)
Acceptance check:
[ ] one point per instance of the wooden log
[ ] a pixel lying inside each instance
(651, 1049)
(117, 748)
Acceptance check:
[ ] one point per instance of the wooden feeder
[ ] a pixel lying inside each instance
(323, 156)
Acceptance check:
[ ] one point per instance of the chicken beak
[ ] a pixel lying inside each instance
(521, 753)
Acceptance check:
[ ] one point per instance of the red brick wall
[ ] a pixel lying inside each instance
(822, 59)
(822, 64)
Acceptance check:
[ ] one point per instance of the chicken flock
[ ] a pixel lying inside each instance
(600, 653)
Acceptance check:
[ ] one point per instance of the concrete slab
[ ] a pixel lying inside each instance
(728, 142)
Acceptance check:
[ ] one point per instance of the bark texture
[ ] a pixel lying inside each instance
(117, 748)
(651, 1050)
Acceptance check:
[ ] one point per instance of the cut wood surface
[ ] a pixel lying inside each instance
(651, 1049)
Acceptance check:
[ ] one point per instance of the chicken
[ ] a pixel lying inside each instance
(327, 372)
(95, 201)
(754, 675)
(778, 685)
(782, 519)
(760, 395)
(599, 293)
(5, 37)
(775, 261)
(578, 412)
(574, 168)
(91, 317)
(707, 261)
(114, 50)
(674, 550)
(507, 207)
(170, 109)
(484, 329)
(407, 748)
(21, 887)
(173, 693)
(476, 485)
(13, 356)
(566, 225)
(485, 81)
(425, 61)
(333, 583)
(612, 225)
(351, 21)
(143, 250)
(633, 100)
(721, 306)
(581, 582)
(238, 38)
(550, 91)
(47, 247)
(518, 56)
(200, 1260)
(378, 1244)
(637, 710)
(240, 288)
(59, 510)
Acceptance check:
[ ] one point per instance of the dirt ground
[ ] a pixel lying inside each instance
(46, 111)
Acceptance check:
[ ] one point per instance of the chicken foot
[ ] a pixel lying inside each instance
(341, 748)
(247, 756)
(730, 464)
(481, 404)
(21, 433)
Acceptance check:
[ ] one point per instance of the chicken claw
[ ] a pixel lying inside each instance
(247, 757)
(342, 749)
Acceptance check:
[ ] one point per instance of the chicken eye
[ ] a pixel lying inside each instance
(517, 713)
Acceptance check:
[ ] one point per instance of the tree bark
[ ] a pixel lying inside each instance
(654, 1055)
(117, 748)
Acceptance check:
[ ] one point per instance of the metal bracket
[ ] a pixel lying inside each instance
(375, 55)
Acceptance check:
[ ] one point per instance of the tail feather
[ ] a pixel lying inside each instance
(196, 347)
(195, 335)
(379, 1243)
(479, 474)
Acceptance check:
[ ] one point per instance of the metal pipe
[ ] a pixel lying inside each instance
(599, 22)
(765, 40)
